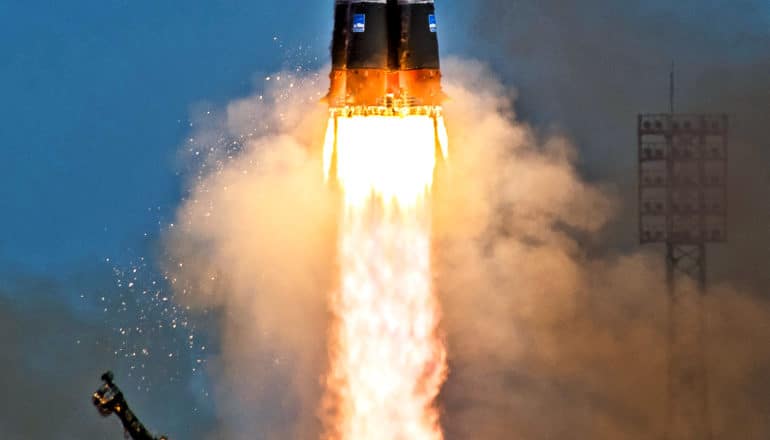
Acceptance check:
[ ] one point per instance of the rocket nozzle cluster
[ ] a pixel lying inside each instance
(384, 49)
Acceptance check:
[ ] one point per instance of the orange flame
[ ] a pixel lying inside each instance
(387, 361)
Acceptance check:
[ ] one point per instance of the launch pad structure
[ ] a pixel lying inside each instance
(109, 399)
(683, 205)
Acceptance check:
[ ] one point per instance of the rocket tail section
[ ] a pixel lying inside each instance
(384, 52)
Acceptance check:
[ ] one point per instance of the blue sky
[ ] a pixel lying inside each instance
(96, 100)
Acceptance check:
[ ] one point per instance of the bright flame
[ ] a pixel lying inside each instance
(387, 361)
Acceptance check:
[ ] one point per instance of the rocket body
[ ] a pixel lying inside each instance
(384, 141)
(385, 52)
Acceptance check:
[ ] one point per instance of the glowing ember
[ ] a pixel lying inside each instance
(387, 362)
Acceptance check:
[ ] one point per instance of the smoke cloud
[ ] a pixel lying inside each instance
(547, 337)
(255, 239)
(591, 67)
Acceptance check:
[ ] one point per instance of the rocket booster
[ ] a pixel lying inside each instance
(385, 52)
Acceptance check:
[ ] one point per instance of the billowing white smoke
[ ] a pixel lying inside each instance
(255, 240)
(550, 333)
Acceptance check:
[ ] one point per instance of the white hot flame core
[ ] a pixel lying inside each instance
(387, 362)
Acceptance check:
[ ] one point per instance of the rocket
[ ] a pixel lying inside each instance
(384, 54)
(385, 63)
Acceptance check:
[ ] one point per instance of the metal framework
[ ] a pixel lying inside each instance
(683, 204)
(109, 399)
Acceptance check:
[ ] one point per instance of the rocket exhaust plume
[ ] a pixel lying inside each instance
(385, 134)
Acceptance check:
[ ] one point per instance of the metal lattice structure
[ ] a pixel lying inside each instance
(683, 204)
(682, 179)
